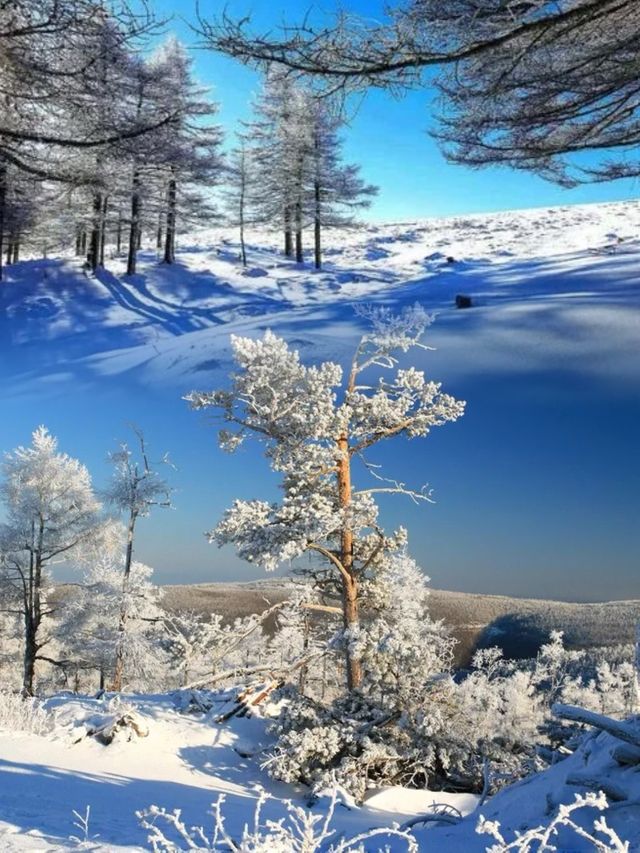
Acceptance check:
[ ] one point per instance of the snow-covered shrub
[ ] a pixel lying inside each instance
(18, 714)
(544, 839)
(111, 721)
(300, 831)
(412, 723)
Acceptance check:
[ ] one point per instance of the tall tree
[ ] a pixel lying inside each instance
(136, 488)
(51, 514)
(316, 425)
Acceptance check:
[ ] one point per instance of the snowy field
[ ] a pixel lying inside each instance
(550, 286)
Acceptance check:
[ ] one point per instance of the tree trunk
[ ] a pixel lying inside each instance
(119, 234)
(288, 235)
(350, 603)
(159, 233)
(317, 228)
(30, 652)
(118, 673)
(9, 251)
(299, 252)
(134, 224)
(243, 248)
(93, 257)
(103, 227)
(16, 248)
(78, 241)
(170, 236)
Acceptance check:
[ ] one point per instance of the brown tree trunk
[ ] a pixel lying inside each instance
(350, 603)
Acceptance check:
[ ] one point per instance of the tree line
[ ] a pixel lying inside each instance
(105, 142)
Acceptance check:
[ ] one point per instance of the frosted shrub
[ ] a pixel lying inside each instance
(543, 839)
(22, 715)
(300, 831)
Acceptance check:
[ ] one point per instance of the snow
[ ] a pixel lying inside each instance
(185, 762)
(533, 276)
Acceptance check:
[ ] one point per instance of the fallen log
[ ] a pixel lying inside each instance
(616, 728)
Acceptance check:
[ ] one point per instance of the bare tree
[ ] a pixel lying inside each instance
(525, 82)
(136, 488)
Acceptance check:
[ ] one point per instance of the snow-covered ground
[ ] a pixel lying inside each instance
(532, 275)
(188, 760)
(554, 291)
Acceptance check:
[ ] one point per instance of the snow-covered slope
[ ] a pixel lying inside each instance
(533, 276)
(188, 760)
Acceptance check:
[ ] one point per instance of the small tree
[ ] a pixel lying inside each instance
(136, 488)
(52, 514)
(315, 425)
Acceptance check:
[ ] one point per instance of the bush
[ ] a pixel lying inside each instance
(22, 715)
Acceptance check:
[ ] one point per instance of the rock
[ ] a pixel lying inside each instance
(463, 301)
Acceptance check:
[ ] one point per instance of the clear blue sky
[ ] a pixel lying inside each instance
(388, 137)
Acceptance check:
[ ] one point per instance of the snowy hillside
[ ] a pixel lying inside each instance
(548, 286)
(63, 789)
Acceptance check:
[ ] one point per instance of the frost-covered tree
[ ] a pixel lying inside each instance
(335, 190)
(51, 514)
(297, 164)
(135, 489)
(241, 191)
(392, 730)
(93, 634)
(316, 424)
(529, 84)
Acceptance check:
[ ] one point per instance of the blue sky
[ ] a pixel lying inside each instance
(387, 136)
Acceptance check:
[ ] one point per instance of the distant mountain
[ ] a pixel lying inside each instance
(519, 626)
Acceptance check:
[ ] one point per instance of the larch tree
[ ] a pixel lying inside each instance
(280, 144)
(336, 190)
(241, 191)
(51, 515)
(529, 84)
(135, 489)
(316, 424)
(187, 151)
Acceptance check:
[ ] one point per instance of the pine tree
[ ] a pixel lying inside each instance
(316, 425)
